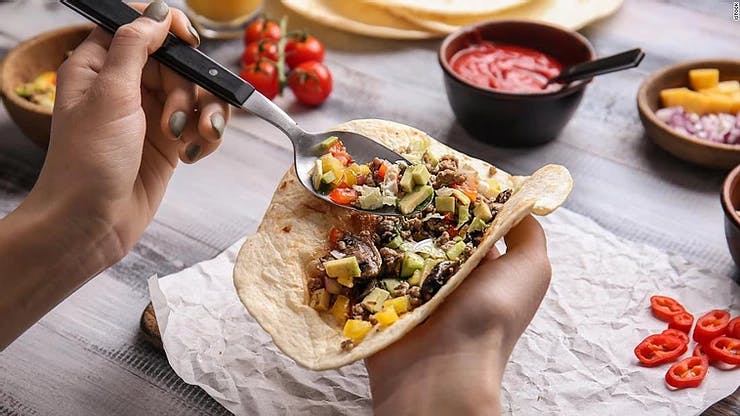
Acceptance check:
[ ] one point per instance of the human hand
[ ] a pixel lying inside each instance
(455, 360)
(121, 122)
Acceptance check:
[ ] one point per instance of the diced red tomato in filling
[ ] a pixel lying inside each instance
(343, 196)
(689, 372)
(382, 170)
(711, 325)
(335, 234)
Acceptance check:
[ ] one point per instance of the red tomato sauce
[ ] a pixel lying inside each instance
(508, 68)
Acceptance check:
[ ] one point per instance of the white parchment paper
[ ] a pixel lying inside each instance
(576, 356)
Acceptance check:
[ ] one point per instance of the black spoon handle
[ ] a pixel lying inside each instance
(618, 62)
(174, 53)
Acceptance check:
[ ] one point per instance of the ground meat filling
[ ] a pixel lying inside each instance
(403, 261)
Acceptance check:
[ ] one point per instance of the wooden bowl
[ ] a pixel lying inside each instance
(730, 198)
(22, 64)
(683, 146)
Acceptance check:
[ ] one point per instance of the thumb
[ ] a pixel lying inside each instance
(133, 43)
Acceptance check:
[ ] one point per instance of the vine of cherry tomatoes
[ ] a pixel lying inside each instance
(269, 51)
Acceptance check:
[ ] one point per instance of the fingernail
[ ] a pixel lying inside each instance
(195, 34)
(156, 10)
(177, 123)
(218, 123)
(192, 152)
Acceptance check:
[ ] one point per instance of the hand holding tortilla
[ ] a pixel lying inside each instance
(469, 338)
(333, 313)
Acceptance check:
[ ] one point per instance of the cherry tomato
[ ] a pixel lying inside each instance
(688, 372)
(733, 328)
(724, 349)
(311, 82)
(263, 76)
(682, 321)
(659, 349)
(664, 307)
(711, 325)
(343, 196)
(260, 49)
(303, 49)
(678, 334)
(262, 29)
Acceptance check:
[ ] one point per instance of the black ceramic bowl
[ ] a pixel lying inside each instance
(730, 198)
(512, 119)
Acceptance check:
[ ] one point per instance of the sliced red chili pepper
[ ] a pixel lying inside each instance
(382, 170)
(733, 328)
(678, 334)
(335, 234)
(682, 321)
(711, 325)
(343, 196)
(688, 372)
(664, 307)
(699, 352)
(724, 349)
(659, 348)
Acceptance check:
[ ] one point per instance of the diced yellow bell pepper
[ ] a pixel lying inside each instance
(691, 101)
(387, 317)
(350, 177)
(719, 104)
(356, 329)
(330, 163)
(727, 88)
(400, 304)
(340, 309)
(703, 78)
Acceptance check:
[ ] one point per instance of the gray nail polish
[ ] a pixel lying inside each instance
(156, 10)
(178, 119)
(195, 34)
(218, 123)
(192, 152)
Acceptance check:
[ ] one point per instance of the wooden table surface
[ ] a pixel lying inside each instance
(87, 355)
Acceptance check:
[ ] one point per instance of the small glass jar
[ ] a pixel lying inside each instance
(222, 19)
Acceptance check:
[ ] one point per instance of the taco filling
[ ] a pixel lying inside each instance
(384, 267)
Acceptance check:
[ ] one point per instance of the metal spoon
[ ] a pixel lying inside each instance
(605, 65)
(214, 77)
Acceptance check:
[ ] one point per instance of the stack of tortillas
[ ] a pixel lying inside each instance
(420, 19)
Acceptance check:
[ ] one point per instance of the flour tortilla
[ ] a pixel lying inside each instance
(270, 272)
(359, 18)
(571, 14)
(431, 9)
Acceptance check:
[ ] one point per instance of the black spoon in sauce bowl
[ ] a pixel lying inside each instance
(605, 65)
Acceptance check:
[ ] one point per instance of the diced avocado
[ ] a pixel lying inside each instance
(444, 204)
(413, 199)
(463, 215)
(415, 279)
(476, 225)
(390, 284)
(396, 242)
(482, 211)
(328, 177)
(407, 180)
(460, 195)
(411, 262)
(343, 269)
(454, 252)
(421, 174)
(431, 158)
(327, 143)
(318, 172)
(320, 300)
(374, 300)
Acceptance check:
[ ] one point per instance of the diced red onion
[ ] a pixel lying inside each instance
(719, 128)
